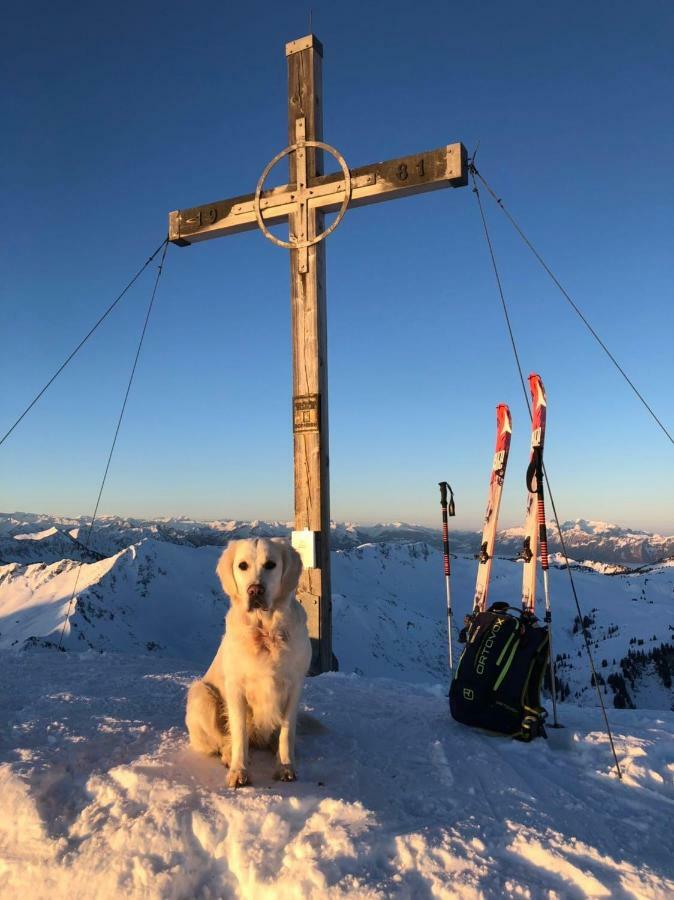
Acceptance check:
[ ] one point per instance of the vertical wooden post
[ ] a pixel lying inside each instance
(309, 338)
(433, 169)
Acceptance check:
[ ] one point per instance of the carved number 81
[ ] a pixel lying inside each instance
(403, 171)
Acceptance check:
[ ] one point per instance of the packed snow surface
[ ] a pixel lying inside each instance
(101, 796)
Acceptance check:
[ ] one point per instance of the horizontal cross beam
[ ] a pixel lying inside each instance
(402, 177)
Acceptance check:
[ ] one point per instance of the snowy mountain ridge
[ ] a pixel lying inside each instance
(388, 610)
(26, 537)
(101, 796)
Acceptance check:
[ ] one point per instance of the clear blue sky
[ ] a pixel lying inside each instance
(114, 114)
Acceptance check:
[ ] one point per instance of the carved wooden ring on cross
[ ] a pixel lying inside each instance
(303, 194)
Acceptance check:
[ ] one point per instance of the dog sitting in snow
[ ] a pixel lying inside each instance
(250, 694)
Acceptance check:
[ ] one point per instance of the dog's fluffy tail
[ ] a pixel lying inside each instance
(206, 719)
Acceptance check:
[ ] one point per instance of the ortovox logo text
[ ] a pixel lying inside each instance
(468, 694)
(488, 644)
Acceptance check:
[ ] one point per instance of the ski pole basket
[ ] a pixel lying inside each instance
(497, 685)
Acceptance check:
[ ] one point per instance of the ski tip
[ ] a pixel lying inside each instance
(504, 420)
(537, 389)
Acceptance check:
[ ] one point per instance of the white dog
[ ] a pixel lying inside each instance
(251, 691)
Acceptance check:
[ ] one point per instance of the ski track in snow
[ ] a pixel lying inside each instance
(101, 796)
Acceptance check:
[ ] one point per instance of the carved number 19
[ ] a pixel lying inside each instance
(211, 216)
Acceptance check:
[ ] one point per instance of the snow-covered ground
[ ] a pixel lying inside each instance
(101, 796)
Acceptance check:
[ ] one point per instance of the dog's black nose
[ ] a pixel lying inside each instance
(256, 597)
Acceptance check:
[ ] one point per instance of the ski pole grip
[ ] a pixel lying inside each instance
(444, 487)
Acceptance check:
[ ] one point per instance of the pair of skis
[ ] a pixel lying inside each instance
(534, 528)
(535, 531)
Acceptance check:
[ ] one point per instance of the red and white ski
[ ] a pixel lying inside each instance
(503, 434)
(535, 529)
(534, 525)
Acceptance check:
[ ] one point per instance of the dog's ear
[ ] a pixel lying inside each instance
(292, 566)
(225, 571)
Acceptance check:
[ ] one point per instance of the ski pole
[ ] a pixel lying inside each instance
(545, 565)
(447, 509)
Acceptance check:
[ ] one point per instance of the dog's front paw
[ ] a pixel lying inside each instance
(237, 778)
(285, 772)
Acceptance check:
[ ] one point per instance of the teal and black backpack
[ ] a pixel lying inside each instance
(497, 684)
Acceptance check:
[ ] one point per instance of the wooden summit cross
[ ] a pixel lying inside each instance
(303, 202)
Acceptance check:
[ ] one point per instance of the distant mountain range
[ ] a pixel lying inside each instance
(162, 598)
(27, 537)
(149, 586)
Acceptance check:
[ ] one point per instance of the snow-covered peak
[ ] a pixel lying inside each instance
(37, 535)
(595, 527)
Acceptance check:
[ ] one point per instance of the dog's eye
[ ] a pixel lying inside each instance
(270, 564)
(243, 566)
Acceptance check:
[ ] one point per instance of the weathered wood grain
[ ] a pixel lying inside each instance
(430, 170)
(310, 363)
(303, 202)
